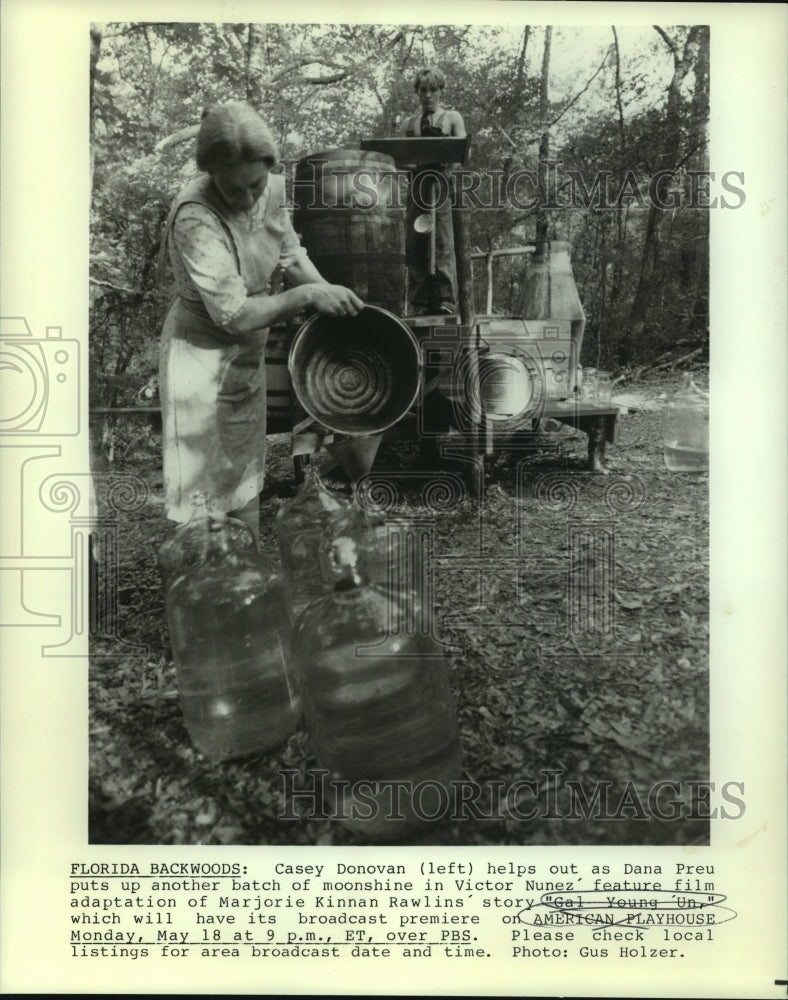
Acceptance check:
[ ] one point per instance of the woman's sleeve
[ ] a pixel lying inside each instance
(206, 254)
(291, 250)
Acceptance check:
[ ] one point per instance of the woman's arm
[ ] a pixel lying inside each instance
(303, 271)
(207, 257)
(311, 291)
(266, 310)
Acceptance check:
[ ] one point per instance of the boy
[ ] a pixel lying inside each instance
(431, 293)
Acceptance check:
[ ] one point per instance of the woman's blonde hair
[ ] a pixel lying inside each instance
(234, 133)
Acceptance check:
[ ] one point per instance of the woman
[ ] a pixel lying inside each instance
(431, 293)
(227, 232)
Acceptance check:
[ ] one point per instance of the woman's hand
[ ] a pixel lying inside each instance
(335, 300)
(264, 310)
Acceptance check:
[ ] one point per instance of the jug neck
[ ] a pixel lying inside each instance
(313, 485)
(215, 524)
(201, 506)
(312, 479)
(216, 542)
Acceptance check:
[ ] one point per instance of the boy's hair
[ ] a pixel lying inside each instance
(431, 76)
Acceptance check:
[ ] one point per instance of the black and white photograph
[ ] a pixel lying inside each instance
(394, 499)
(442, 291)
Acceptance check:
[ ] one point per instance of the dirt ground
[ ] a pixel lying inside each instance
(577, 651)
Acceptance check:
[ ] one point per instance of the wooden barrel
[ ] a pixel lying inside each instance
(279, 410)
(349, 217)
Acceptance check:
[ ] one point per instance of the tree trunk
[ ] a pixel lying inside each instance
(700, 95)
(650, 278)
(600, 254)
(698, 321)
(253, 64)
(545, 227)
(520, 76)
(95, 49)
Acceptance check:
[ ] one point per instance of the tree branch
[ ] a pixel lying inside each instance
(634, 373)
(307, 60)
(665, 38)
(182, 135)
(321, 80)
(508, 138)
(580, 93)
(115, 288)
(535, 139)
(129, 29)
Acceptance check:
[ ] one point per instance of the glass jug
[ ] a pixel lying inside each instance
(300, 523)
(377, 704)
(686, 429)
(184, 547)
(230, 631)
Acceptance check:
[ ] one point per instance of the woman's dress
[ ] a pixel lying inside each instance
(212, 379)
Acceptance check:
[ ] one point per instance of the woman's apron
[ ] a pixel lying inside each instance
(212, 383)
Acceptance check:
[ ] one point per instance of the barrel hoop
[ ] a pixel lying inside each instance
(371, 219)
(335, 158)
(360, 258)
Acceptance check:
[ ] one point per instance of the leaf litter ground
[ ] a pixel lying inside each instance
(578, 658)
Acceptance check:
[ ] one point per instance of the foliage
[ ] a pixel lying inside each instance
(626, 102)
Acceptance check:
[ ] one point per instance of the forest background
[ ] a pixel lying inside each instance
(748, 71)
(567, 106)
(612, 122)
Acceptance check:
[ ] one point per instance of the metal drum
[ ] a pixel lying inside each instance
(357, 375)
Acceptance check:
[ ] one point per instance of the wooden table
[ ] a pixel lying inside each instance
(598, 422)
